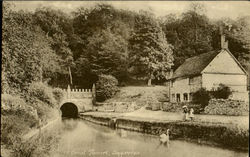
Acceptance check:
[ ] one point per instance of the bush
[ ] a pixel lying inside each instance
(43, 110)
(17, 106)
(16, 119)
(222, 92)
(202, 97)
(39, 146)
(106, 87)
(58, 94)
(41, 92)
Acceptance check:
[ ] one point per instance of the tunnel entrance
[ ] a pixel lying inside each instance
(69, 110)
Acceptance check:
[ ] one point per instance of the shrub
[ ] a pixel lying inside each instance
(41, 92)
(39, 146)
(43, 110)
(106, 87)
(16, 106)
(222, 92)
(17, 117)
(58, 94)
(202, 97)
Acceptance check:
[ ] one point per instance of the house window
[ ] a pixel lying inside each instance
(185, 97)
(178, 97)
(190, 96)
(173, 96)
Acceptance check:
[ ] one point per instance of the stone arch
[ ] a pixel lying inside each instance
(69, 110)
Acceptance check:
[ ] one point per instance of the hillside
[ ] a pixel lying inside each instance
(140, 94)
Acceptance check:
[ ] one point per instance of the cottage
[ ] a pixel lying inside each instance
(208, 70)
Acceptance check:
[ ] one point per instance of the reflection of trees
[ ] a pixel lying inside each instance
(69, 124)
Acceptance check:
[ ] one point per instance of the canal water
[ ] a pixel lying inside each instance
(80, 138)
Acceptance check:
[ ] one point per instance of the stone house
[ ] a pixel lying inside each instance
(208, 70)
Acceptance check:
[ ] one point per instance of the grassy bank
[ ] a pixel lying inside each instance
(131, 98)
(24, 112)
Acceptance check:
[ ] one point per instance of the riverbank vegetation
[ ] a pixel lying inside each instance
(20, 115)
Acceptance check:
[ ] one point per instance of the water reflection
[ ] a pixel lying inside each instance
(69, 124)
(81, 138)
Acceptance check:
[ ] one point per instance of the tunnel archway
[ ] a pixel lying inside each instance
(69, 110)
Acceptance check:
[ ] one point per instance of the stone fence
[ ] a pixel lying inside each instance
(227, 107)
(117, 107)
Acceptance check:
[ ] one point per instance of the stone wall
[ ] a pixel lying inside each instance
(118, 106)
(227, 107)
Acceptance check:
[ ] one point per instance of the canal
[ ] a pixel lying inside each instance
(80, 138)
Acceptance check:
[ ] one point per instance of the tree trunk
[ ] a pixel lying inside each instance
(150, 80)
(70, 77)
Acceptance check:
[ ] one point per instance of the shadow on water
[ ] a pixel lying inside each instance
(69, 124)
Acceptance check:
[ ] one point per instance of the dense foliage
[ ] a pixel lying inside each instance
(193, 33)
(106, 87)
(150, 53)
(221, 92)
(51, 46)
(20, 114)
(202, 97)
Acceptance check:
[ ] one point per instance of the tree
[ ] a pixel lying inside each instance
(101, 42)
(150, 53)
(24, 48)
(105, 54)
(237, 34)
(58, 27)
(190, 33)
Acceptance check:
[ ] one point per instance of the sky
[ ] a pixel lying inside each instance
(215, 9)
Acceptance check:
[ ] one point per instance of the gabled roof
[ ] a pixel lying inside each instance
(237, 62)
(194, 65)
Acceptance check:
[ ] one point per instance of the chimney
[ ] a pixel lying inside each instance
(223, 42)
(171, 73)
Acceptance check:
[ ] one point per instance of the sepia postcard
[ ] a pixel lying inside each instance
(125, 78)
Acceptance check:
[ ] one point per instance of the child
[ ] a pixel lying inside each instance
(185, 110)
(191, 114)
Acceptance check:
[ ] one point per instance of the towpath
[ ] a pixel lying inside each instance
(242, 121)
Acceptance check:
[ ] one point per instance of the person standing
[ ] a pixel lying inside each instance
(191, 114)
(185, 111)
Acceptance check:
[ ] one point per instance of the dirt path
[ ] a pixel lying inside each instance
(142, 113)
